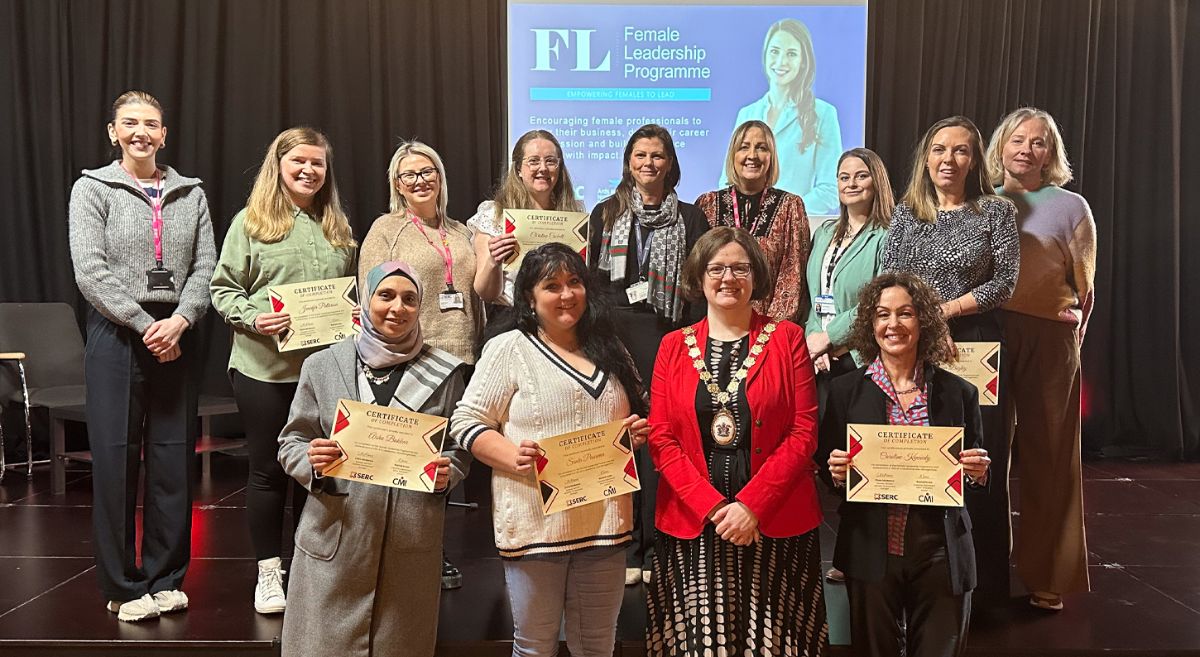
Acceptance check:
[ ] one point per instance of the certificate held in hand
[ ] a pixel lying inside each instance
(533, 228)
(897, 464)
(322, 312)
(387, 446)
(979, 364)
(584, 467)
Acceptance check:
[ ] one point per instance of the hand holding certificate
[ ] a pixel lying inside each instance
(321, 312)
(387, 446)
(533, 228)
(898, 464)
(583, 467)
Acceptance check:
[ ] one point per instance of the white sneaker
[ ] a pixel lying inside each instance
(632, 576)
(169, 601)
(268, 593)
(142, 608)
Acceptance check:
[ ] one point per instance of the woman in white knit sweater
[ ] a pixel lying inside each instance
(561, 370)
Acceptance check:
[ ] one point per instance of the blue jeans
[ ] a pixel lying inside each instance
(585, 587)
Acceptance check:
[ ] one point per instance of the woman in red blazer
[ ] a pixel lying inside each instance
(733, 412)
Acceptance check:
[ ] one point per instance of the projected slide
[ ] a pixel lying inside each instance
(592, 73)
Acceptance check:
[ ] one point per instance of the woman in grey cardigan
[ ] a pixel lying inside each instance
(367, 567)
(142, 247)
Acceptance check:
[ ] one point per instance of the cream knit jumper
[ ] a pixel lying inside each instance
(525, 391)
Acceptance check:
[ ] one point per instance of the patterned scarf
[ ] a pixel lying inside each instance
(373, 348)
(667, 242)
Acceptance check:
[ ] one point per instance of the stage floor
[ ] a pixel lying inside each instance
(1143, 525)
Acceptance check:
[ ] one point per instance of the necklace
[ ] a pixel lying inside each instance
(724, 427)
(376, 379)
(908, 391)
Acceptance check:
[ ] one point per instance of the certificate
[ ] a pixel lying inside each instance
(387, 446)
(321, 312)
(898, 464)
(979, 363)
(587, 466)
(533, 228)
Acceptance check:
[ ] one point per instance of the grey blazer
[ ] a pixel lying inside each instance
(362, 550)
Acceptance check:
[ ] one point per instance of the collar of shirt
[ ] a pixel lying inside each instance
(917, 412)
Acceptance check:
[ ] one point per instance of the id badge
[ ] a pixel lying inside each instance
(450, 300)
(824, 305)
(638, 292)
(159, 278)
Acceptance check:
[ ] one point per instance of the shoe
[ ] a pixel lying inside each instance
(647, 575)
(169, 601)
(1046, 601)
(143, 608)
(632, 576)
(268, 593)
(451, 575)
(835, 575)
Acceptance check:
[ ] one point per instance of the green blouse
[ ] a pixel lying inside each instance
(247, 267)
(853, 270)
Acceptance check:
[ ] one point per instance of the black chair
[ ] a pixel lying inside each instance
(49, 368)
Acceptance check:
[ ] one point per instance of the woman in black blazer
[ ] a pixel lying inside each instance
(909, 570)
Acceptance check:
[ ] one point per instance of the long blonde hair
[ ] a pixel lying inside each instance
(512, 193)
(1058, 168)
(398, 204)
(269, 211)
(735, 142)
(921, 196)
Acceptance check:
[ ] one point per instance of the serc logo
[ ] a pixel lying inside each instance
(547, 42)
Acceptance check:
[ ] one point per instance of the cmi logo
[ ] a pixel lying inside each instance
(547, 41)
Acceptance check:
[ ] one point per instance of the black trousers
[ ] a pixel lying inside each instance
(264, 408)
(137, 406)
(989, 511)
(912, 611)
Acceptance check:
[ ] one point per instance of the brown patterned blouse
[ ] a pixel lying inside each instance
(778, 221)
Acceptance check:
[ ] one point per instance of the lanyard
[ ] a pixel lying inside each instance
(838, 252)
(643, 246)
(447, 256)
(737, 213)
(156, 216)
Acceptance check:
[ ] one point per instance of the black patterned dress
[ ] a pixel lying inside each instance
(712, 598)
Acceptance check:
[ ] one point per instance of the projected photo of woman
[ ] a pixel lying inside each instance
(806, 127)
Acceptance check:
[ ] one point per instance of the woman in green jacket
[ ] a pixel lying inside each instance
(292, 230)
(845, 256)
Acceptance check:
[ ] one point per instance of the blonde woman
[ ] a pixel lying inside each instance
(292, 230)
(953, 232)
(438, 248)
(1044, 325)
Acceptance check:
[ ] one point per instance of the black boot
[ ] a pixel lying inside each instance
(451, 576)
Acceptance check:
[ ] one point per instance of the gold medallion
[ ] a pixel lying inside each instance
(724, 428)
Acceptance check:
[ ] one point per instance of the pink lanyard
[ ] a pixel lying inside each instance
(447, 256)
(737, 215)
(156, 221)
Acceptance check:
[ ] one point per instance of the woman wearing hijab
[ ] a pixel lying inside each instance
(367, 568)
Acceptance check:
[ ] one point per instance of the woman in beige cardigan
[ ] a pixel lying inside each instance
(438, 248)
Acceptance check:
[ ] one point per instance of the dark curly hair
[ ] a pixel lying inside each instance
(596, 332)
(931, 344)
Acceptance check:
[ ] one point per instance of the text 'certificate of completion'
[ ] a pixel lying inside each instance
(895, 464)
(533, 228)
(322, 312)
(387, 446)
(582, 467)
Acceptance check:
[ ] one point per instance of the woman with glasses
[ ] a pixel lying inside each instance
(438, 248)
(733, 429)
(536, 179)
(419, 232)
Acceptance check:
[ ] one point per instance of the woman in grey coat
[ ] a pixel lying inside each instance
(366, 571)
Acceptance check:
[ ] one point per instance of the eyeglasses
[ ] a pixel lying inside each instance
(428, 174)
(739, 269)
(551, 163)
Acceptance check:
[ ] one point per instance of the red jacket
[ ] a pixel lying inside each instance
(782, 395)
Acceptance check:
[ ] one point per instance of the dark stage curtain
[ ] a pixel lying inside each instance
(1119, 76)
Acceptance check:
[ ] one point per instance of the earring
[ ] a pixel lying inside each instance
(114, 142)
